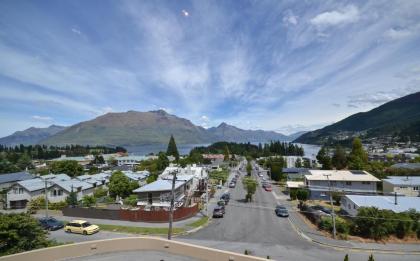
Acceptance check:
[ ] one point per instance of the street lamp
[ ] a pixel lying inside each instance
(331, 202)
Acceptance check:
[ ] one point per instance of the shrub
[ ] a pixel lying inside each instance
(293, 194)
(302, 194)
(58, 205)
(88, 201)
(100, 192)
(131, 200)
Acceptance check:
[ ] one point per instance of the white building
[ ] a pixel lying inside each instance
(199, 174)
(344, 181)
(130, 160)
(351, 203)
(138, 176)
(408, 186)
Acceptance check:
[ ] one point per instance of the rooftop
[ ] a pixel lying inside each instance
(406, 166)
(403, 180)
(387, 202)
(68, 185)
(17, 176)
(341, 175)
(159, 185)
(33, 184)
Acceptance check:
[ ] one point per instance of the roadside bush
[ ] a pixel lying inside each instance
(100, 192)
(131, 200)
(88, 201)
(57, 206)
(302, 194)
(36, 204)
(341, 225)
(293, 194)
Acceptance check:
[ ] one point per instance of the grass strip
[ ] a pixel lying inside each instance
(199, 222)
(140, 230)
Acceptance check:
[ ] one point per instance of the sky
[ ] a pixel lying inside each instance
(275, 65)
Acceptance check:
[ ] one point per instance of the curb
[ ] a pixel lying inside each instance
(196, 228)
(344, 248)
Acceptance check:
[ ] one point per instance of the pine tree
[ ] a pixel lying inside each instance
(226, 153)
(346, 257)
(358, 157)
(172, 149)
(339, 159)
(324, 158)
(371, 258)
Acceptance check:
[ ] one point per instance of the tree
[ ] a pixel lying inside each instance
(339, 159)
(131, 200)
(69, 167)
(72, 199)
(298, 163)
(250, 185)
(323, 158)
(346, 257)
(120, 185)
(20, 232)
(358, 158)
(24, 161)
(88, 201)
(162, 161)
(302, 194)
(248, 168)
(371, 258)
(172, 149)
(100, 192)
(226, 154)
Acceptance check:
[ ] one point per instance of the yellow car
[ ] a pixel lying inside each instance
(81, 227)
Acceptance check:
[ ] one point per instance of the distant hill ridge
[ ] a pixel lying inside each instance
(152, 127)
(30, 136)
(399, 117)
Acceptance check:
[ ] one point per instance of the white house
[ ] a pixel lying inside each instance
(138, 176)
(61, 189)
(158, 193)
(9, 179)
(130, 160)
(23, 191)
(408, 186)
(198, 173)
(97, 180)
(345, 181)
(351, 203)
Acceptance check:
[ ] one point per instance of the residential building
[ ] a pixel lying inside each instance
(138, 176)
(97, 180)
(411, 166)
(158, 193)
(408, 186)
(351, 203)
(198, 173)
(9, 179)
(82, 160)
(319, 182)
(130, 160)
(60, 189)
(23, 191)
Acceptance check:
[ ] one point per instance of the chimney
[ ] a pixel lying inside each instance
(395, 198)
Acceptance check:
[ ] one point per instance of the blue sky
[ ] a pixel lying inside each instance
(275, 65)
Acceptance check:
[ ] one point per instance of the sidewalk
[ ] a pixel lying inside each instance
(178, 224)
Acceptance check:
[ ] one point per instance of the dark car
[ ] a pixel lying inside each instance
(218, 212)
(281, 211)
(51, 223)
(323, 209)
(232, 185)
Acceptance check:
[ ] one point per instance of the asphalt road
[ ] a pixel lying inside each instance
(255, 227)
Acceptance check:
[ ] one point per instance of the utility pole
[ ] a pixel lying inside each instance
(207, 196)
(332, 206)
(171, 210)
(46, 199)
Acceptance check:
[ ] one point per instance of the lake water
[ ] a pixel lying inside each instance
(310, 150)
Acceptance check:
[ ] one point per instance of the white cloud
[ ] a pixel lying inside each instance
(348, 14)
(290, 18)
(185, 13)
(74, 30)
(397, 34)
(42, 118)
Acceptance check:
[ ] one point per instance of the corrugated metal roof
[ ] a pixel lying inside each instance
(406, 166)
(386, 202)
(159, 185)
(403, 180)
(33, 184)
(17, 176)
(74, 183)
(340, 175)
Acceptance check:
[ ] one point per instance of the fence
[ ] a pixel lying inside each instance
(132, 215)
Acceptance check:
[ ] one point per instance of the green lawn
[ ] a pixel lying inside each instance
(199, 222)
(140, 230)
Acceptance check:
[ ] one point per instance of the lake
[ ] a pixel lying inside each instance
(310, 150)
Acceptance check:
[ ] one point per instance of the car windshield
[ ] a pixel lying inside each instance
(280, 207)
(86, 224)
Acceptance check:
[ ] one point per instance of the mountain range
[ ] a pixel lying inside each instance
(398, 118)
(140, 128)
(30, 136)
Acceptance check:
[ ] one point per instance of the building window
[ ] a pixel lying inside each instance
(20, 190)
(366, 182)
(354, 206)
(348, 183)
(322, 194)
(415, 188)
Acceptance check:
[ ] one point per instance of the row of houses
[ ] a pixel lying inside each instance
(22, 188)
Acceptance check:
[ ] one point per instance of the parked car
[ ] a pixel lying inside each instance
(268, 188)
(81, 227)
(232, 185)
(50, 223)
(281, 211)
(219, 186)
(218, 212)
(226, 195)
(325, 210)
